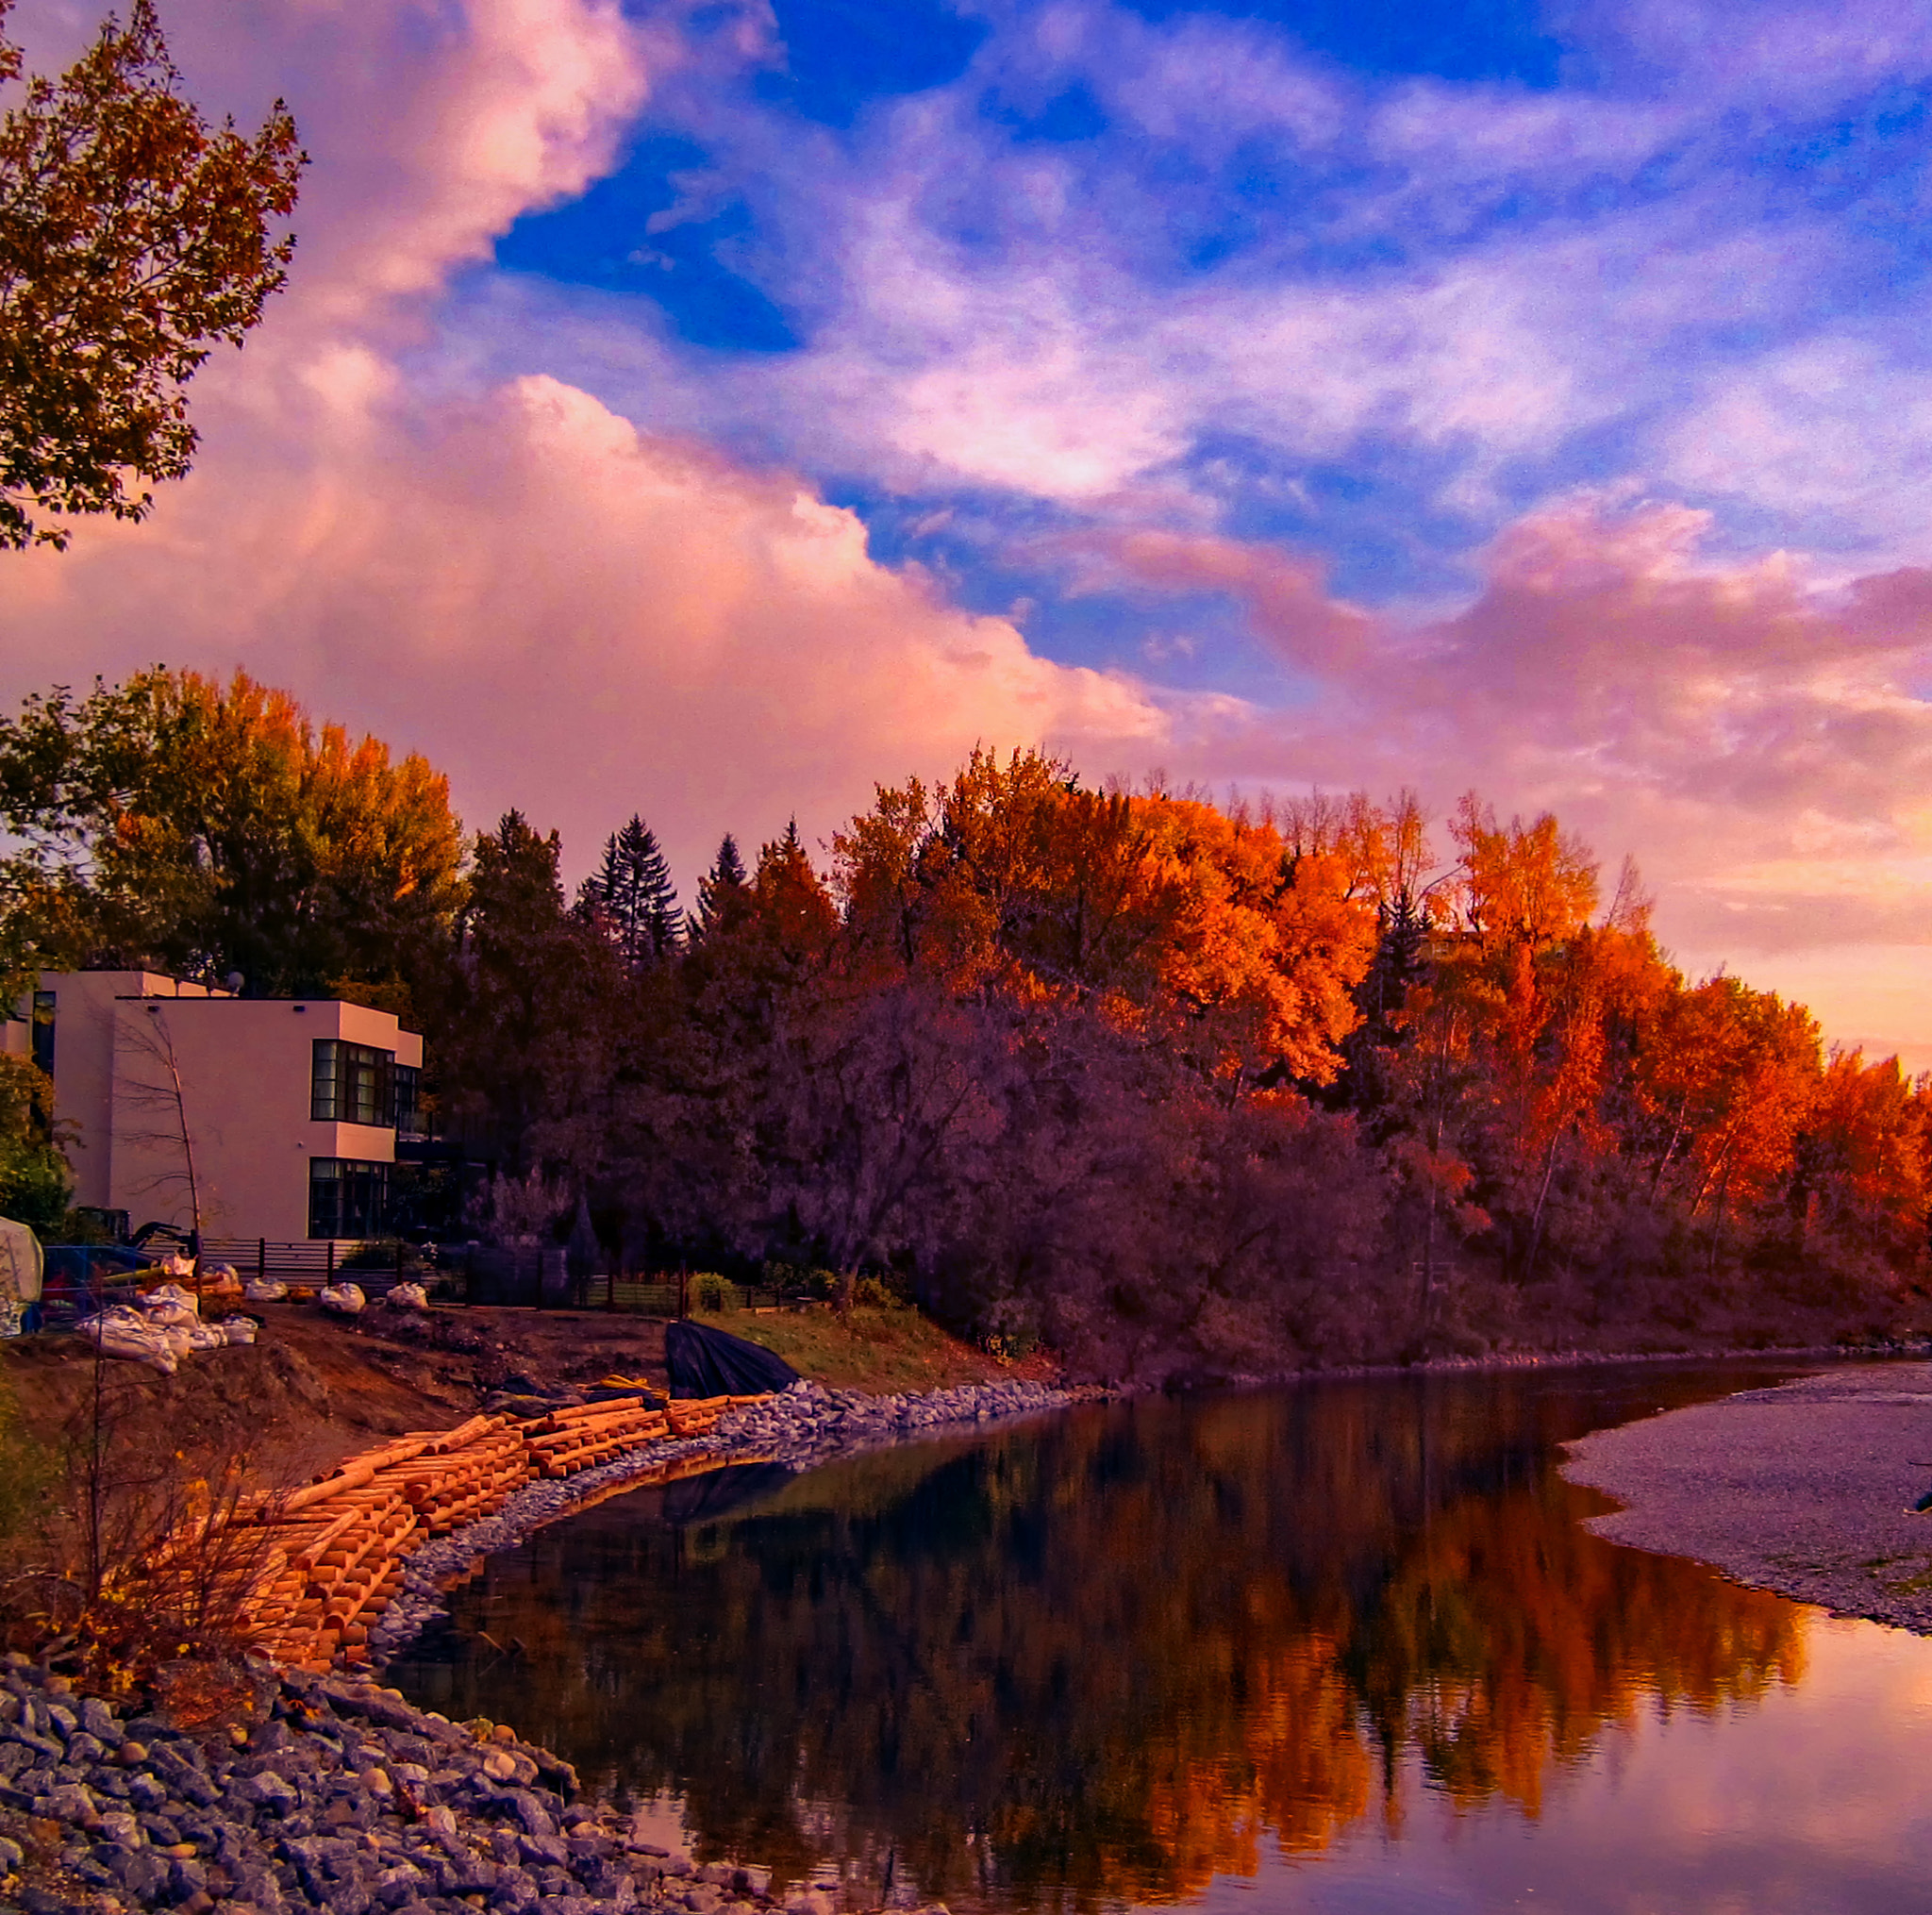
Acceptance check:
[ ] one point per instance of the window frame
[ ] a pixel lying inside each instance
(359, 1197)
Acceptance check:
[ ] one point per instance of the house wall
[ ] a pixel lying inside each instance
(245, 1068)
(85, 1012)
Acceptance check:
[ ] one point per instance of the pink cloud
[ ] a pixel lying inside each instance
(1761, 741)
(570, 615)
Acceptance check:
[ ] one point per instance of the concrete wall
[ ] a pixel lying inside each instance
(85, 1010)
(245, 1067)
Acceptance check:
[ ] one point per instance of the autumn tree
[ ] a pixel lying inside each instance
(134, 237)
(202, 829)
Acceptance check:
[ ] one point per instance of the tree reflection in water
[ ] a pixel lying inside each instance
(1108, 1656)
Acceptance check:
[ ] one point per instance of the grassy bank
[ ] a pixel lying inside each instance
(881, 1350)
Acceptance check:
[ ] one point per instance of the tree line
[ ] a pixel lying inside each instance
(1175, 1087)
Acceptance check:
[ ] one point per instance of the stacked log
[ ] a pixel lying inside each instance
(574, 1438)
(466, 1475)
(330, 1555)
(695, 1416)
(335, 1548)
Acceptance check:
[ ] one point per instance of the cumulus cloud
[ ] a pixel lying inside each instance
(494, 523)
(574, 617)
(569, 614)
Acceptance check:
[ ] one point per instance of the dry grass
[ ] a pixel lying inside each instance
(881, 1350)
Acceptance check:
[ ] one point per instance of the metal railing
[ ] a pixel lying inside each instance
(375, 1267)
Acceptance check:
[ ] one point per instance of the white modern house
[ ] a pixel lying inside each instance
(276, 1117)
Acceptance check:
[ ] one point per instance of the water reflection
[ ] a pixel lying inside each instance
(1113, 1657)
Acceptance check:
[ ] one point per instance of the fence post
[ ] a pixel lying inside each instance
(330, 1268)
(261, 1260)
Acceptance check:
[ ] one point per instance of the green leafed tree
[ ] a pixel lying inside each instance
(134, 237)
(525, 1031)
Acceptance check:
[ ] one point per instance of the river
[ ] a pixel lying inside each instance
(1338, 1647)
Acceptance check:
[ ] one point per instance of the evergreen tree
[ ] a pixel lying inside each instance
(522, 1036)
(632, 892)
(722, 892)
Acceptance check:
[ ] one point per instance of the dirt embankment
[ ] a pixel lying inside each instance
(1806, 1488)
(315, 1389)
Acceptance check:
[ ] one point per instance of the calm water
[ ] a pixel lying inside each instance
(1336, 1648)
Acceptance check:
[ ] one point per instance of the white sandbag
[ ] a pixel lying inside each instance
(177, 1266)
(125, 1333)
(171, 1303)
(239, 1329)
(345, 1299)
(265, 1289)
(408, 1296)
(202, 1336)
(220, 1277)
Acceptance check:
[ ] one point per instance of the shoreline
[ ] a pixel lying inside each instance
(811, 1425)
(1804, 1489)
(331, 1793)
(328, 1792)
(804, 1428)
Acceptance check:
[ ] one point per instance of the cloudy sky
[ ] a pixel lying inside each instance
(711, 407)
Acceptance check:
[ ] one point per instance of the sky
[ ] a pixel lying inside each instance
(714, 409)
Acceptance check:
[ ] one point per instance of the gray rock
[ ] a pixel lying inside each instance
(267, 1790)
(118, 1825)
(69, 1802)
(98, 1719)
(529, 1813)
(144, 1874)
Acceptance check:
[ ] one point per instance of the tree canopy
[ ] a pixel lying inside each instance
(1179, 1087)
(201, 829)
(134, 237)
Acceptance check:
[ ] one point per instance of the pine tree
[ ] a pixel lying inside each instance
(632, 894)
(722, 892)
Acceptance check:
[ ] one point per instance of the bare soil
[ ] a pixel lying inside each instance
(316, 1387)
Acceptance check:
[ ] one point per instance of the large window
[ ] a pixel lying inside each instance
(352, 1084)
(347, 1198)
(409, 1116)
(46, 1004)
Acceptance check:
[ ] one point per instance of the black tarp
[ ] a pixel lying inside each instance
(707, 1362)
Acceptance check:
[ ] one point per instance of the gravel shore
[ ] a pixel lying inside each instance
(325, 1794)
(1806, 1489)
(333, 1795)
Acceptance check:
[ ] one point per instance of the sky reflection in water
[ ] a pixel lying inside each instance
(1340, 1648)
